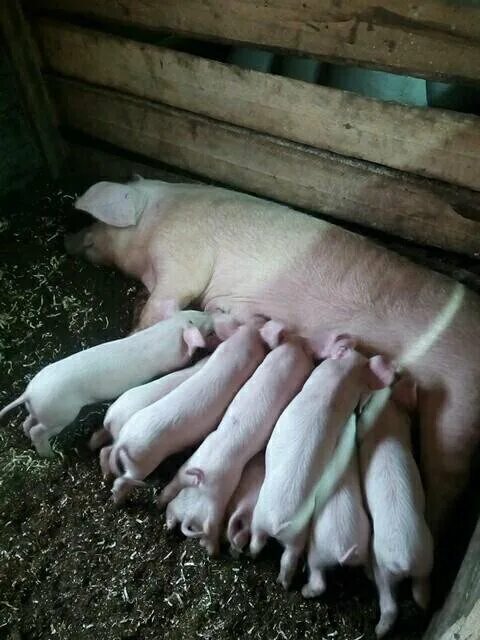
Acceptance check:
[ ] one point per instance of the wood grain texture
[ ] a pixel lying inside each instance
(253, 162)
(429, 142)
(432, 39)
(21, 51)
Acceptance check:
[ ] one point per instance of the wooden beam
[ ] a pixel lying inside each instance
(459, 618)
(429, 142)
(85, 161)
(288, 172)
(431, 38)
(21, 50)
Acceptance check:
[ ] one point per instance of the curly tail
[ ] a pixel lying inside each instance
(16, 403)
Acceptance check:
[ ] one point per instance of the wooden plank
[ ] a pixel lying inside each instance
(253, 162)
(20, 48)
(85, 161)
(459, 618)
(431, 39)
(429, 142)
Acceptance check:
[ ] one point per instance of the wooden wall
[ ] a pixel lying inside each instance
(20, 156)
(412, 172)
(29, 140)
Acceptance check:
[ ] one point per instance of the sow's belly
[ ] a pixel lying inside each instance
(389, 305)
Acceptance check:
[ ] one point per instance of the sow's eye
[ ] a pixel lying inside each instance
(88, 241)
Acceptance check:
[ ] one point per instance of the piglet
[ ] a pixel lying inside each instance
(302, 442)
(340, 533)
(55, 396)
(138, 398)
(402, 542)
(242, 503)
(216, 466)
(186, 415)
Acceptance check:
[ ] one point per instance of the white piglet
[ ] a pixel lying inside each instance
(216, 466)
(340, 533)
(55, 396)
(302, 443)
(242, 504)
(402, 542)
(138, 398)
(186, 415)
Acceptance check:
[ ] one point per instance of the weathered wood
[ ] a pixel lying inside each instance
(431, 39)
(20, 156)
(428, 142)
(459, 618)
(21, 51)
(85, 161)
(291, 173)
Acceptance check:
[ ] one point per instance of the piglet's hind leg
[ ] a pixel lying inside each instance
(29, 422)
(388, 606)
(316, 584)
(39, 436)
(288, 566)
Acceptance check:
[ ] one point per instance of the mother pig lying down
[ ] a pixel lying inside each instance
(245, 255)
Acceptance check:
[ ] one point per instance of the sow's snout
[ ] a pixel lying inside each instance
(77, 243)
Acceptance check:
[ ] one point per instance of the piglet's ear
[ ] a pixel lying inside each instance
(341, 347)
(196, 477)
(120, 205)
(273, 333)
(330, 344)
(405, 393)
(380, 373)
(193, 339)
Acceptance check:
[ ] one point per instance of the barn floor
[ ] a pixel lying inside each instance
(73, 567)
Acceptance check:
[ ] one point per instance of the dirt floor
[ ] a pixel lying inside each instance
(73, 567)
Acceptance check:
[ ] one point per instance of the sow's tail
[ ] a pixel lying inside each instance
(16, 403)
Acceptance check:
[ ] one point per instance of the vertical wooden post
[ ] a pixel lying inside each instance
(459, 619)
(21, 49)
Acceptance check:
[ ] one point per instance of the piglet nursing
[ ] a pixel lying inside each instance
(138, 398)
(216, 466)
(242, 504)
(55, 396)
(187, 414)
(302, 442)
(402, 542)
(340, 533)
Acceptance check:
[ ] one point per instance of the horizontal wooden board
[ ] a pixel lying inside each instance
(429, 142)
(432, 39)
(288, 172)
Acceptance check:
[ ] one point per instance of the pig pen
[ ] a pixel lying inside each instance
(72, 567)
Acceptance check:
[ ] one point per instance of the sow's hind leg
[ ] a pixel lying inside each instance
(450, 435)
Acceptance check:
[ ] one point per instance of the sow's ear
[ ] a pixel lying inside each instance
(120, 205)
